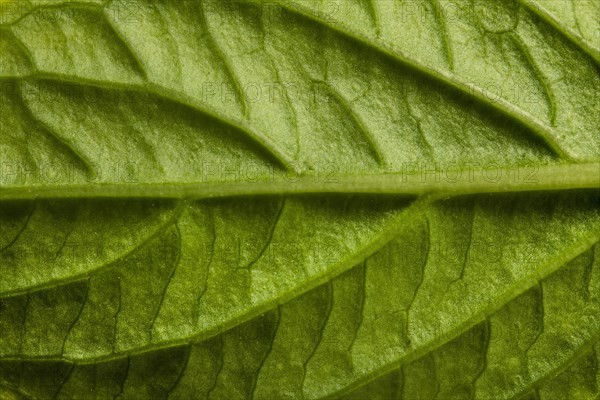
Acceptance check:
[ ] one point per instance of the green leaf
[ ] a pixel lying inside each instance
(409, 300)
(283, 200)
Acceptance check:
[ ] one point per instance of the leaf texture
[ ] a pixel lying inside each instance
(359, 199)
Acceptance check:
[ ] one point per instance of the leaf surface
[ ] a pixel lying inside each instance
(241, 199)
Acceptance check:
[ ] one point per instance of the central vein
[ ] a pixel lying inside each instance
(411, 182)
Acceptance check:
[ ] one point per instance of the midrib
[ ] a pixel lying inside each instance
(414, 182)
